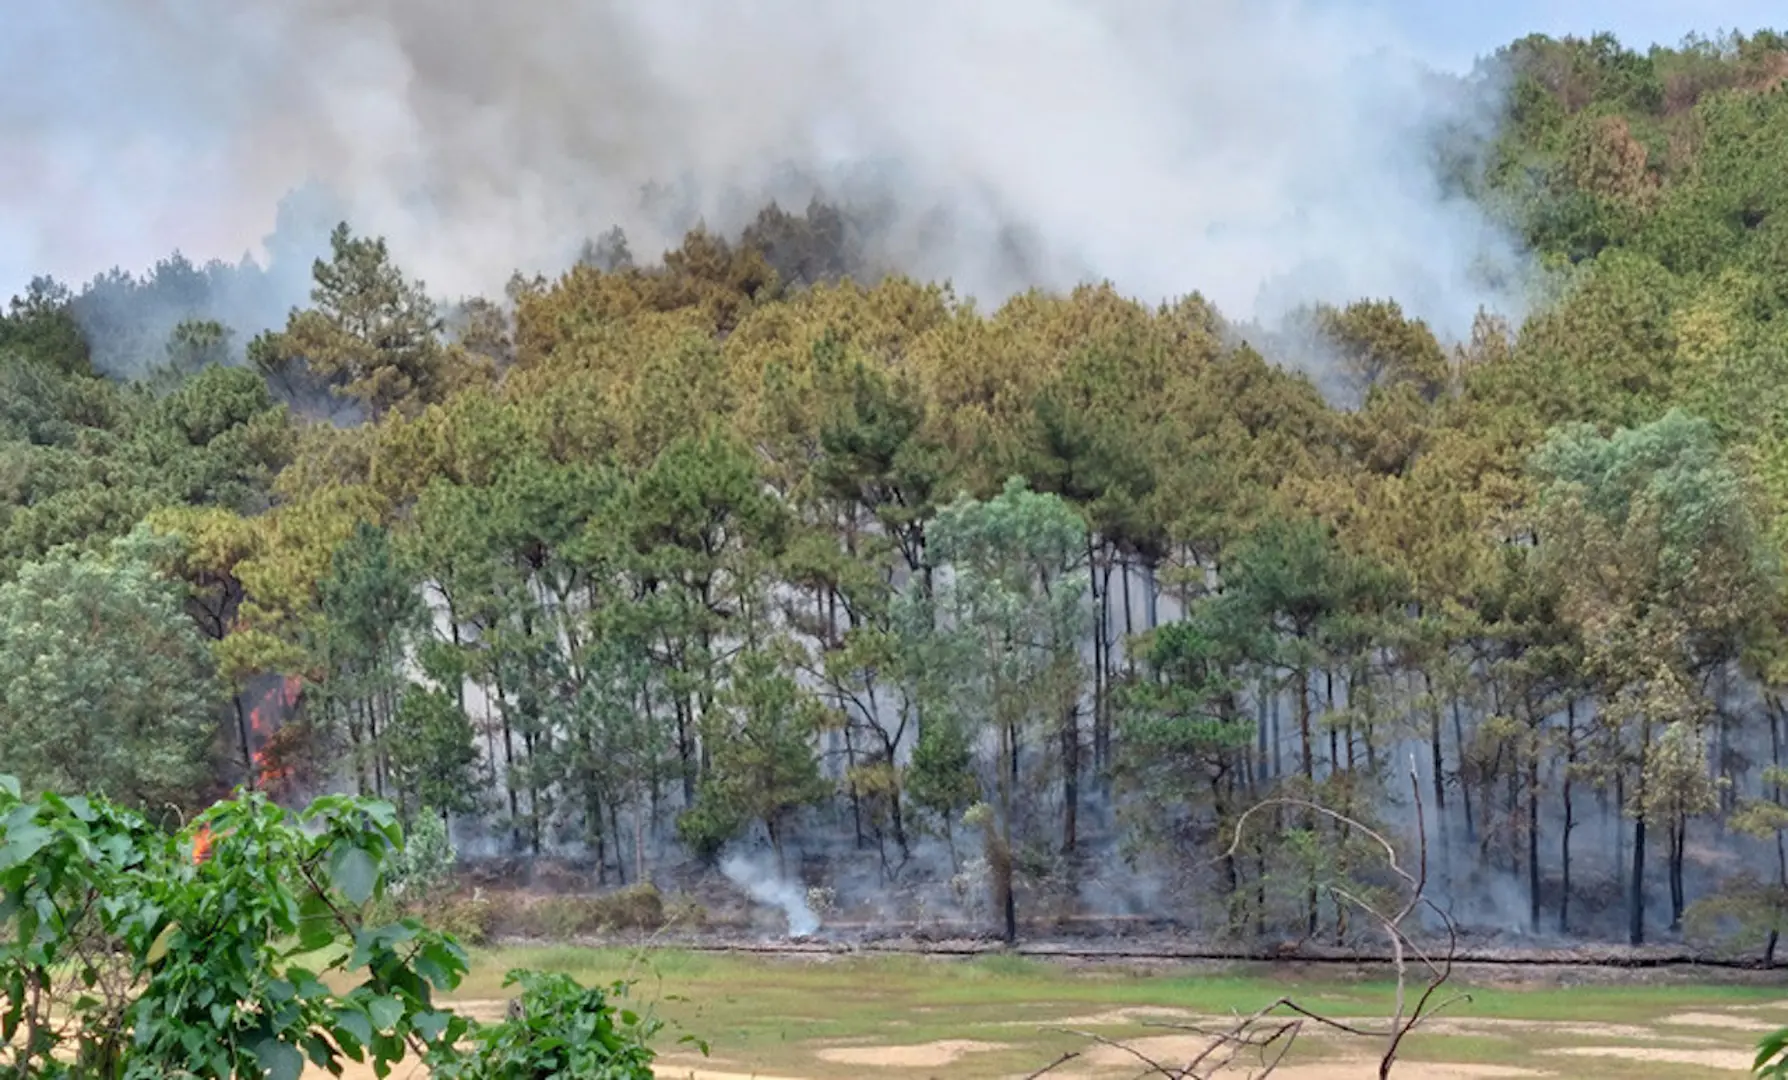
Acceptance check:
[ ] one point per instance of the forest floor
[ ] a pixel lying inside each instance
(831, 1017)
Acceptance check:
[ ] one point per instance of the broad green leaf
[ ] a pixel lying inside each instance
(353, 1022)
(354, 873)
(429, 1025)
(316, 924)
(280, 1061)
(385, 1012)
(22, 843)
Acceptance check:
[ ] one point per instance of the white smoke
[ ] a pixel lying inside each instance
(763, 884)
(1260, 151)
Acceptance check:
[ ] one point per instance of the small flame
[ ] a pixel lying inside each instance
(201, 845)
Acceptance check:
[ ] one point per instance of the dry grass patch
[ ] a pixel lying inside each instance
(1725, 1021)
(931, 1055)
(1732, 1060)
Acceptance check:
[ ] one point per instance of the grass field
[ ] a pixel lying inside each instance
(836, 1017)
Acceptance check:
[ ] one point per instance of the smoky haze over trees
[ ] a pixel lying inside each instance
(1266, 153)
(1007, 608)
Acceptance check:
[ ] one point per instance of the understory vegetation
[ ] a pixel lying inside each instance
(759, 546)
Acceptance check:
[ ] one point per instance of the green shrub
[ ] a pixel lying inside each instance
(562, 1030)
(209, 953)
(425, 862)
(213, 953)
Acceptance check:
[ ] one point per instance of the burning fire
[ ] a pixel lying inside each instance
(201, 845)
(270, 772)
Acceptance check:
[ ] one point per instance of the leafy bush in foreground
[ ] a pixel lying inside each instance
(130, 952)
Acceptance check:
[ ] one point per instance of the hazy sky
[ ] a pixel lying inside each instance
(1458, 30)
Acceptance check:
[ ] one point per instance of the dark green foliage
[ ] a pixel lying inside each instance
(192, 953)
(432, 755)
(562, 1030)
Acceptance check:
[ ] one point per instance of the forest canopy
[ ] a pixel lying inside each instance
(758, 544)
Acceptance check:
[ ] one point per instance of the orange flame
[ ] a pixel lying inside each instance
(201, 845)
(270, 773)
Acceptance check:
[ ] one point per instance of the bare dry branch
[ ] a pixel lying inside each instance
(1268, 1031)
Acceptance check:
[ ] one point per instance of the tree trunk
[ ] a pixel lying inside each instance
(1636, 895)
(1636, 889)
(1471, 829)
(850, 773)
(1328, 711)
(685, 751)
(1260, 730)
(1564, 839)
(1679, 836)
(508, 760)
(614, 828)
(1309, 766)
(639, 846)
(1533, 839)
(1308, 763)
(248, 753)
(1070, 777)
(1101, 611)
(1775, 756)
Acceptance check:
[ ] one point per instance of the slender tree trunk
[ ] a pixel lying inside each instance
(1775, 756)
(639, 845)
(891, 749)
(1151, 596)
(1101, 605)
(248, 753)
(1328, 711)
(1308, 762)
(1102, 716)
(1278, 747)
(1533, 838)
(1440, 787)
(508, 759)
(1636, 895)
(1070, 778)
(614, 829)
(1001, 842)
(1471, 829)
(356, 751)
(1564, 837)
(377, 748)
(1309, 766)
(1260, 731)
(685, 749)
(1679, 836)
(597, 836)
(850, 772)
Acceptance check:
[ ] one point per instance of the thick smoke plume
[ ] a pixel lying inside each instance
(1264, 152)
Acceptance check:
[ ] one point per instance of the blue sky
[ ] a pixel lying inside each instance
(1454, 32)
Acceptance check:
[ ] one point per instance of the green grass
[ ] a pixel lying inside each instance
(772, 1013)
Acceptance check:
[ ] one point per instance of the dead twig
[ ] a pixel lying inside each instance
(1269, 1031)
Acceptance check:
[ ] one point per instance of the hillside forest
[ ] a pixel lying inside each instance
(764, 548)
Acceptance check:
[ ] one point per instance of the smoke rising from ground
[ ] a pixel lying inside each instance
(764, 884)
(1263, 152)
